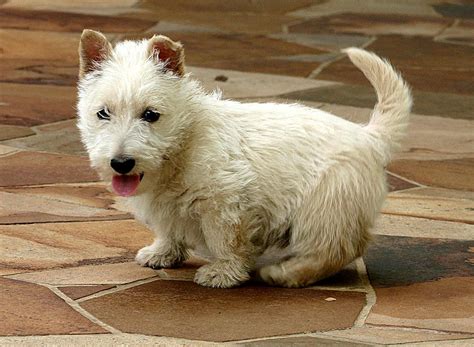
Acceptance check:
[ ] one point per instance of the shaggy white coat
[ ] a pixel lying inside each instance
(240, 178)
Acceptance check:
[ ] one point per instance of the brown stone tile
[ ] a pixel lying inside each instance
(29, 309)
(397, 183)
(411, 203)
(391, 335)
(187, 310)
(11, 131)
(363, 96)
(346, 279)
(426, 65)
(46, 20)
(301, 341)
(445, 304)
(453, 174)
(103, 7)
(57, 203)
(394, 261)
(459, 10)
(184, 272)
(393, 225)
(330, 42)
(218, 51)
(51, 245)
(110, 274)
(32, 168)
(62, 137)
(22, 104)
(372, 24)
(77, 292)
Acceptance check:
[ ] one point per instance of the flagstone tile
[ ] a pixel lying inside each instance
(32, 168)
(323, 8)
(11, 131)
(99, 340)
(459, 10)
(110, 274)
(460, 33)
(397, 183)
(185, 309)
(414, 204)
(331, 42)
(57, 203)
(184, 272)
(303, 341)
(391, 335)
(453, 173)
(393, 225)
(372, 24)
(7, 150)
(29, 309)
(51, 245)
(103, 7)
(27, 105)
(446, 305)
(218, 51)
(47, 20)
(263, 85)
(59, 138)
(77, 292)
(418, 59)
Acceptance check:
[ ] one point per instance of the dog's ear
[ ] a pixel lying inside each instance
(94, 48)
(163, 49)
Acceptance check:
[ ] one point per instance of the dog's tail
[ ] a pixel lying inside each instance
(390, 116)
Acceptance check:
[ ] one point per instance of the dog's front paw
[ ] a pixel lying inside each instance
(151, 257)
(221, 274)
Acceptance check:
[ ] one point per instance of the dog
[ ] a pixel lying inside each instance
(236, 179)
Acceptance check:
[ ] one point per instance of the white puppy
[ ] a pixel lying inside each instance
(238, 178)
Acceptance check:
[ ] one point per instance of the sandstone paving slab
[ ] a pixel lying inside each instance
(391, 335)
(422, 283)
(30, 309)
(218, 51)
(187, 310)
(446, 105)
(456, 10)
(424, 71)
(52, 245)
(61, 137)
(372, 24)
(110, 274)
(99, 340)
(34, 168)
(7, 150)
(331, 42)
(411, 203)
(78, 292)
(28, 105)
(449, 173)
(67, 203)
(323, 8)
(393, 225)
(47, 20)
(11, 132)
(238, 83)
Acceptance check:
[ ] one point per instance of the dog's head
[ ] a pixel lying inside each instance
(130, 107)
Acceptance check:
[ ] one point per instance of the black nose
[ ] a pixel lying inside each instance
(122, 165)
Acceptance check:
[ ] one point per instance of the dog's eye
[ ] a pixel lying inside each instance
(150, 116)
(102, 114)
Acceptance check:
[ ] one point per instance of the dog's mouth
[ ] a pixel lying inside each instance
(126, 185)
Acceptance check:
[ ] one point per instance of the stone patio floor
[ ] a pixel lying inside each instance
(67, 275)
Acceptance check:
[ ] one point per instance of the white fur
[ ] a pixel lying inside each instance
(235, 177)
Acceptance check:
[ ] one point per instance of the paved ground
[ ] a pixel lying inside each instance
(66, 248)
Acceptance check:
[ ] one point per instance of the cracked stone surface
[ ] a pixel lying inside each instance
(67, 244)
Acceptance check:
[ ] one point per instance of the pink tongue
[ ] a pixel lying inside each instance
(125, 185)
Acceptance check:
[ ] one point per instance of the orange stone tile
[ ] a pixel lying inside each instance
(30, 309)
(187, 310)
(77, 292)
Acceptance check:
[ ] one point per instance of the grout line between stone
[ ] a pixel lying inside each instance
(118, 288)
(406, 179)
(370, 296)
(449, 26)
(75, 306)
(321, 67)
